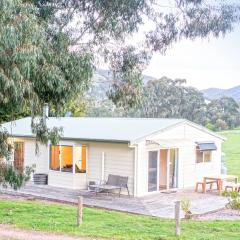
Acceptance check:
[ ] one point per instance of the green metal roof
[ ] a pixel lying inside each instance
(97, 129)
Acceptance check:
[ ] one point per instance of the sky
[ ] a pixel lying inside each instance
(203, 63)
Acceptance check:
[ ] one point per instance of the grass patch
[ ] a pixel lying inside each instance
(108, 224)
(231, 148)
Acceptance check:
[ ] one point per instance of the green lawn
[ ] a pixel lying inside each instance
(107, 224)
(231, 148)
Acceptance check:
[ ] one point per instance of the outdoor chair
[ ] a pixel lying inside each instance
(114, 182)
(91, 185)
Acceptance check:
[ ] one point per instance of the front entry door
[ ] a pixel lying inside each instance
(152, 171)
(19, 156)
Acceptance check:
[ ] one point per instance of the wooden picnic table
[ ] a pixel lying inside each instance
(219, 179)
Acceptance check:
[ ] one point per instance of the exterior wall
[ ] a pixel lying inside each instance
(141, 169)
(39, 160)
(188, 170)
(67, 180)
(191, 171)
(119, 160)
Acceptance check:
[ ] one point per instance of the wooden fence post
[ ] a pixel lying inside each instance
(177, 217)
(80, 210)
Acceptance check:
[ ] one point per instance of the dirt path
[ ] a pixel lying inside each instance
(11, 233)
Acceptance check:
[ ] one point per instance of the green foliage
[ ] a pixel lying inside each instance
(9, 176)
(169, 98)
(210, 126)
(77, 107)
(232, 151)
(223, 113)
(185, 205)
(9, 113)
(234, 199)
(36, 66)
(45, 134)
(105, 27)
(127, 66)
(5, 146)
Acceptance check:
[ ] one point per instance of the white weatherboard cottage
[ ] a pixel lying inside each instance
(155, 154)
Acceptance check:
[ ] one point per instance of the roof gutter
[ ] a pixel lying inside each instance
(79, 139)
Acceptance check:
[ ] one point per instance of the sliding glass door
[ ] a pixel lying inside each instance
(173, 168)
(152, 171)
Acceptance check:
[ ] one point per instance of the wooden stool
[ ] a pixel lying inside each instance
(233, 187)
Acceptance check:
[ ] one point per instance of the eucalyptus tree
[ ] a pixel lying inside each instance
(223, 113)
(35, 68)
(169, 98)
(110, 29)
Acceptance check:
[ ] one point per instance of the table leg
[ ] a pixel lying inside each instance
(220, 184)
(204, 185)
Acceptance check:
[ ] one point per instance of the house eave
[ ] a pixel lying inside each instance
(78, 139)
(204, 129)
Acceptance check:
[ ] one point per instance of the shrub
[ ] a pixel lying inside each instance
(185, 205)
(13, 178)
(234, 199)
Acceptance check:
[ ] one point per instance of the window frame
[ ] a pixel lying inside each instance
(74, 158)
(64, 145)
(50, 158)
(203, 156)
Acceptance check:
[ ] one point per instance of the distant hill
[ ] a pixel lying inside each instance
(102, 80)
(215, 93)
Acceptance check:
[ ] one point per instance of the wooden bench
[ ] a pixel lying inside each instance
(202, 185)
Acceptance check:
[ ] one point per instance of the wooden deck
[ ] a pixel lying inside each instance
(159, 204)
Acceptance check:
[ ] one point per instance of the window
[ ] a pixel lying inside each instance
(203, 156)
(207, 156)
(67, 159)
(81, 155)
(61, 158)
(55, 158)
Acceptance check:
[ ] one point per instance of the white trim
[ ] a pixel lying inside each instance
(73, 145)
(103, 166)
(135, 191)
(204, 129)
(168, 169)
(60, 158)
(158, 156)
(203, 158)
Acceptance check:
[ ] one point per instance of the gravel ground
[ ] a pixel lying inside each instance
(224, 214)
(11, 233)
